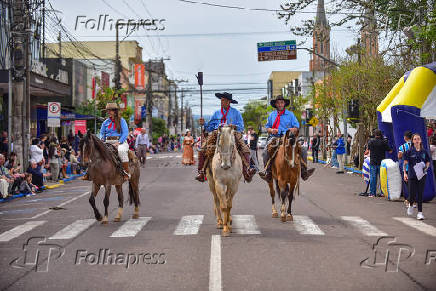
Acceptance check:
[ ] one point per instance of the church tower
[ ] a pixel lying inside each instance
(369, 34)
(321, 40)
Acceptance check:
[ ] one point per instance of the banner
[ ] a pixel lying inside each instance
(139, 76)
(137, 109)
(80, 125)
(105, 80)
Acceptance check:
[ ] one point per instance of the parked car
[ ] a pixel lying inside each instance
(261, 142)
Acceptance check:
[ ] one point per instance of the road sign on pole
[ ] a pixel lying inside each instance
(277, 50)
(54, 114)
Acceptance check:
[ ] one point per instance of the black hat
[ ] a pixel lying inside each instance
(226, 95)
(280, 97)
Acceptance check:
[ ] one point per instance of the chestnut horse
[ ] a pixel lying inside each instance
(223, 176)
(286, 175)
(103, 171)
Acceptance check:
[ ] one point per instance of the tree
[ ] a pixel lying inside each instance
(159, 128)
(255, 114)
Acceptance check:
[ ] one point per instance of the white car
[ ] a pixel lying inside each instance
(261, 142)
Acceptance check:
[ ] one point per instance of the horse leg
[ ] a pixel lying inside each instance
(222, 191)
(282, 186)
(106, 203)
(217, 209)
(289, 216)
(120, 202)
(135, 188)
(94, 192)
(273, 194)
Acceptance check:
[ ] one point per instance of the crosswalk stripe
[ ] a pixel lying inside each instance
(215, 283)
(363, 226)
(419, 225)
(189, 225)
(245, 224)
(19, 230)
(73, 229)
(131, 227)
(305, 225)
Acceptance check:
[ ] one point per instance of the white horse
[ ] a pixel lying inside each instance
(223, 177)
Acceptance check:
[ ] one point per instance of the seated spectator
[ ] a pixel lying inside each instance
(6, 180)
(64, 162)
(37, 176)
(26, 186)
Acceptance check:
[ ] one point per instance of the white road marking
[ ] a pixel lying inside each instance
(417, 224)
(245, 224)
(131, 227)
(305, 225)
(215, 264)
(19, 230)
(364, 226)
(189, 225)
(73, 229)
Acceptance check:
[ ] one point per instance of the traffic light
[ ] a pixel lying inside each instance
(200, 78)
(353, 109)
(309, 114)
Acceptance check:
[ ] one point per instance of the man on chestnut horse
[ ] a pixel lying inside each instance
(279, 121)
(226, 115)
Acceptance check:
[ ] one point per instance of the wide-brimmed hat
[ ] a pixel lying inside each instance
(187, 130)
(280, 97)
(226, 95)
(112, 106)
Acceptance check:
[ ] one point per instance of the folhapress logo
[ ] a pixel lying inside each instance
(37, 255)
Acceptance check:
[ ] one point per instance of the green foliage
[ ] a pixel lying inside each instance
(255, 114)
(158, 128)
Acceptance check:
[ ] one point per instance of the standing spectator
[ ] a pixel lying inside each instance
(416, 157)
(340, 152)
(53, 160)
(141, 145)
(377, 147)
(315, 147)
(70, 137)
(36, 151)
(252, 139)
(433, 153)
(6, 180)
(188, 149)
(401, 150)
(76, 142)
(4, 145)
(430, 130)
(74, 162)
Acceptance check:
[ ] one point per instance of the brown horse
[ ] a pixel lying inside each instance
(286, 175)
(102, 171)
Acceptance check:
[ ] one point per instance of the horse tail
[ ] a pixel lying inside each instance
(133, 194)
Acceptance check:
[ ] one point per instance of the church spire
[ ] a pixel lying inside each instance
(321, 19)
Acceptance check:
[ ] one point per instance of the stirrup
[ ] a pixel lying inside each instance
(201, 176)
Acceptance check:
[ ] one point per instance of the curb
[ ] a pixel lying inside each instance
(355, 171)
(61, 182)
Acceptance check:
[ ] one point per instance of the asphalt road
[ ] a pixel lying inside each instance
(331, 245)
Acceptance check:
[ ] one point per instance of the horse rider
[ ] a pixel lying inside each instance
(114, 130)
(226, 115)
(279, 121)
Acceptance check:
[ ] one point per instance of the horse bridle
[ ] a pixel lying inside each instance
(291, 162)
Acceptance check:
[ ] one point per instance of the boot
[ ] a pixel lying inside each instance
(86, 176)
(200, 176)
(126, 171)
(246, 170)
(305, 173)
(266, 174)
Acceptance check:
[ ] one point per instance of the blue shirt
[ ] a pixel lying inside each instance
(413, 157)
(287, 120)
(340, 149)
(105, 131)
(403, 148)
(234, 117)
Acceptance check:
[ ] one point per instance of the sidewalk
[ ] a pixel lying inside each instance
(46, 186)
(351, 169)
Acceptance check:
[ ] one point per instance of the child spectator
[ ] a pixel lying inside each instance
(26, 186)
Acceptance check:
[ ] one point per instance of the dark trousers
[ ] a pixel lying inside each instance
(416, 190)
(315, 155)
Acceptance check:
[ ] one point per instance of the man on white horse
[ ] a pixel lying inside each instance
(279, 121)
(226, 115)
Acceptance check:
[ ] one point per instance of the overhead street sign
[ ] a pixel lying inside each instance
(277, 50)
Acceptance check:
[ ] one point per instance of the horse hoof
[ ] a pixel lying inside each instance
(275, 215)
(283, 218)
(230, 229)
(116, 219)
(99, 218)
(135, 216)
(219, 226)
(226, 233)
(289, 217)
(104, 222)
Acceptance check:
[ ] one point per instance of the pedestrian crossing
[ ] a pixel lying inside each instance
(191, 225)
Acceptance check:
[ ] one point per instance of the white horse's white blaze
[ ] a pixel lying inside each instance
(293, 156)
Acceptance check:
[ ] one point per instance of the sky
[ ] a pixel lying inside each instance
(220, 42)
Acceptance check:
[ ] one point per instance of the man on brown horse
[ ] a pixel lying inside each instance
(114, 130)
(226, 115)
(279, 121)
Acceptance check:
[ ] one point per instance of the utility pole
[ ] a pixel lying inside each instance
(117, 78)
(28, 65)
(181, 112)
(18, 51)
(60, 45)
(149, 100)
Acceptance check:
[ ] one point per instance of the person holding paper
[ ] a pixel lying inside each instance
(418, 160)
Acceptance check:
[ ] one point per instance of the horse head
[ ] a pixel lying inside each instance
(290, 137)
(291, 148)
(226, 146)
(86, 149)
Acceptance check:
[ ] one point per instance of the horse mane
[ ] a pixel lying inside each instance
(100, 146)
